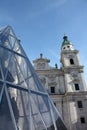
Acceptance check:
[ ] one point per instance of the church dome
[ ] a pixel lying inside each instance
(65, 41)
(66, 44)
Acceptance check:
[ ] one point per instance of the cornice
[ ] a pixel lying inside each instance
(69, 51)
(41, 60)
(79, 93)
(48, 72)
(69, 69)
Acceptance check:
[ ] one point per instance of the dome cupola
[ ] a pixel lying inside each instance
(66, 44)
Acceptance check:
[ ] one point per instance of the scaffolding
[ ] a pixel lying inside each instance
(24, 102)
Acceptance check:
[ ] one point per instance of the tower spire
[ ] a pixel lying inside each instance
(65, 40)
(66, 44)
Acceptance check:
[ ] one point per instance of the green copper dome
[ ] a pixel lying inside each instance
(65, 41)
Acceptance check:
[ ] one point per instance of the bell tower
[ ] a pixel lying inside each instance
(73, 70)
(75, 86)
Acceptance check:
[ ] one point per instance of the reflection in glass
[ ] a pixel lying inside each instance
(24, 103)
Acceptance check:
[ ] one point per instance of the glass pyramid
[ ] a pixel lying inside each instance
(24, 103)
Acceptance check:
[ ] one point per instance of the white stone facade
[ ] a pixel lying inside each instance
(66, 86)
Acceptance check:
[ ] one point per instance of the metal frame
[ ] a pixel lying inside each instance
(23, 85)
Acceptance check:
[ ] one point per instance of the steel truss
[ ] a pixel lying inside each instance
(24, 103)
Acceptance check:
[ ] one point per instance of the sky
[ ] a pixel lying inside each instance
(41, 25)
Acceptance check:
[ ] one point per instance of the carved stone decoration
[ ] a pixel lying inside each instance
(52, 78)
(75, 77)
(52, 84)
(43, 80)
(41, 66)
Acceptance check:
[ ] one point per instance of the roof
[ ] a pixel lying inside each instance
(65, 41)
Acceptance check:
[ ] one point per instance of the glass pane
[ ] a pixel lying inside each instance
(5, 115)
(24, 102)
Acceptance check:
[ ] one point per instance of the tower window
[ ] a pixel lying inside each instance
(52, 89)
(80, 105)
(64, 48)
(82, 119)
(68, 46)
(71, 61)
(76, 86)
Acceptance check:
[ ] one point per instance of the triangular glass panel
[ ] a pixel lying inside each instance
(6, 121)
(24, 102)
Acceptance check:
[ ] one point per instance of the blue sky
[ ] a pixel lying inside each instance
(41, 24)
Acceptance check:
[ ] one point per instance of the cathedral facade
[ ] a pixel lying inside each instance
(66, 86)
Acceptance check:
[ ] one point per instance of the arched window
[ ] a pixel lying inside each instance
(71, 61)
(64, 47)
(77, 86)
(68, 46)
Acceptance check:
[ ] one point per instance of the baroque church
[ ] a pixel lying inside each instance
(66, 86)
